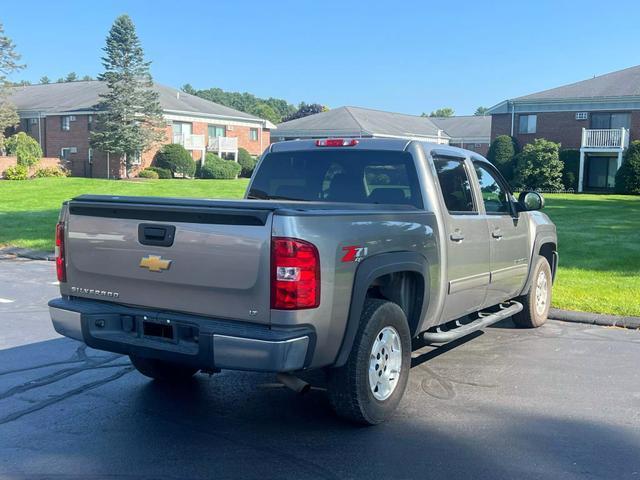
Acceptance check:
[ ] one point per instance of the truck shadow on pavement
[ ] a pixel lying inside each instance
(71, 412)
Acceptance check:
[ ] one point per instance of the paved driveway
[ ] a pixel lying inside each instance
(559, 402)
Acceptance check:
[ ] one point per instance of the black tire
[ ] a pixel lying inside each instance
(530, 316)
(349, 390)
(162, 371)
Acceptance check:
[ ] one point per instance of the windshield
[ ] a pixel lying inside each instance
(357, 176)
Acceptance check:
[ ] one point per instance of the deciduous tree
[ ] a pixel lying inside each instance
(538, 166)
(441, 112)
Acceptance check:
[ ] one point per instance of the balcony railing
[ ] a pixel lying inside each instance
(223, 144)
(614, 138)
(188, 141)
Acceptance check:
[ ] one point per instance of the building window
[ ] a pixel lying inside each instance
(136, 159)
(582, 115)
(215, 131)
(610, 120)
(90, 155)
(65, 122)
(180, 131)
(527, 124)
(65, 152)
(253, 134)
(89, 122)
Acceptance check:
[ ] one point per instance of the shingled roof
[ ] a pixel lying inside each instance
(477, 127)
(357, 121)
(615, 84)
(70, 97)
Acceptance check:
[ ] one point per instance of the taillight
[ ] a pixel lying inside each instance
(295, 274)
(61, 269)
(337, 142)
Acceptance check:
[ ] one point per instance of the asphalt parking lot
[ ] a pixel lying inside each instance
(562, 401)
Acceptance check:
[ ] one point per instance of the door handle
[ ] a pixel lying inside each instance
(497, 234)
(457, 236)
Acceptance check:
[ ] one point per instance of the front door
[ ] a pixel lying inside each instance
(467, 239)
(508, 236)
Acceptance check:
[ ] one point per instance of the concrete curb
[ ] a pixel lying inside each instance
(594, 318)
(27, 253)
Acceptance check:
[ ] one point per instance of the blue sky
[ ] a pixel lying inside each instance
(401, 56)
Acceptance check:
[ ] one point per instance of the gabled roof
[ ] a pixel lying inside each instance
(615, 90)
(615, 84)
(80, 96)
(356, 121)
(465, 127)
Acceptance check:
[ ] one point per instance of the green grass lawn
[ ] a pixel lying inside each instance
(29, 209)
(599, 245)
(599, 235)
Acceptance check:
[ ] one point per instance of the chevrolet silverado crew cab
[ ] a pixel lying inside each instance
(342, 252)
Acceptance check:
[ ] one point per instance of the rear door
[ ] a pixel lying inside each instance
(508, 235)
(202, 259)
(468, 261)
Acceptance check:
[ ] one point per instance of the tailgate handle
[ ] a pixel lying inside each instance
(157, 235)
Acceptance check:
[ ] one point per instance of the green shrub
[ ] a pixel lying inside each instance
(247, 162)
(538, 166)
(26, 148)
(176, 159)
(628, 176)
(147, 173)
(215, 167)
(45, 172)
(501, 153)
(163, 173)
(17, 172)
(571, 160)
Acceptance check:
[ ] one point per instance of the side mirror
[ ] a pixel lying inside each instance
(528, 201)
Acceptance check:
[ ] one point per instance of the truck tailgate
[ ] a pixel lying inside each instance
(216, 263)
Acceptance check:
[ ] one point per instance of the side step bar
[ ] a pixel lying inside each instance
(460, 330)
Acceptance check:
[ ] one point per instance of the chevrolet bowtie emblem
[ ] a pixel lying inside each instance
(155, 263)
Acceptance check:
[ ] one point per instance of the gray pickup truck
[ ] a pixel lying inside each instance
(342, 252)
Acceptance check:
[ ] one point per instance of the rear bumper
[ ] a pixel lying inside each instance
(200, 342)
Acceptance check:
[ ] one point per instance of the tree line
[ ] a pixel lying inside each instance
(276, 110)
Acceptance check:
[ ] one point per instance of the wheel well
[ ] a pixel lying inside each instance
(546, 251)
(403, 288)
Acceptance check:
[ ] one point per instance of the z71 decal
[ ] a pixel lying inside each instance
(354, 253)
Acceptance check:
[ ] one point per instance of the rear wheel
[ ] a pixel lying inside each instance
(368, 388)
(537, 301)
(163, 371)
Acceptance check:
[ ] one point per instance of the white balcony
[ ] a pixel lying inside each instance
(223, 145)
(605, 139)
(189, 141)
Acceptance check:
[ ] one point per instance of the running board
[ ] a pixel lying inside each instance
(460, 330)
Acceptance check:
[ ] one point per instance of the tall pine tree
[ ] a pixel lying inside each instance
(130, 121)
(8, 64)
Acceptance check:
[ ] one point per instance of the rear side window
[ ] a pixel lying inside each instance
(357, 176)
(455, 185)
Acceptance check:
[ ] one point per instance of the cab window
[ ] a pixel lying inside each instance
(495, 195)
(455, 185)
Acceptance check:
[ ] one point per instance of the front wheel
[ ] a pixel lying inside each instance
(162, 371)
(537, 300)
(368, 388)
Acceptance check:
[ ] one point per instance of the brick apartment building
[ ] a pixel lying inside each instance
(61, 115)
(598, 117)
